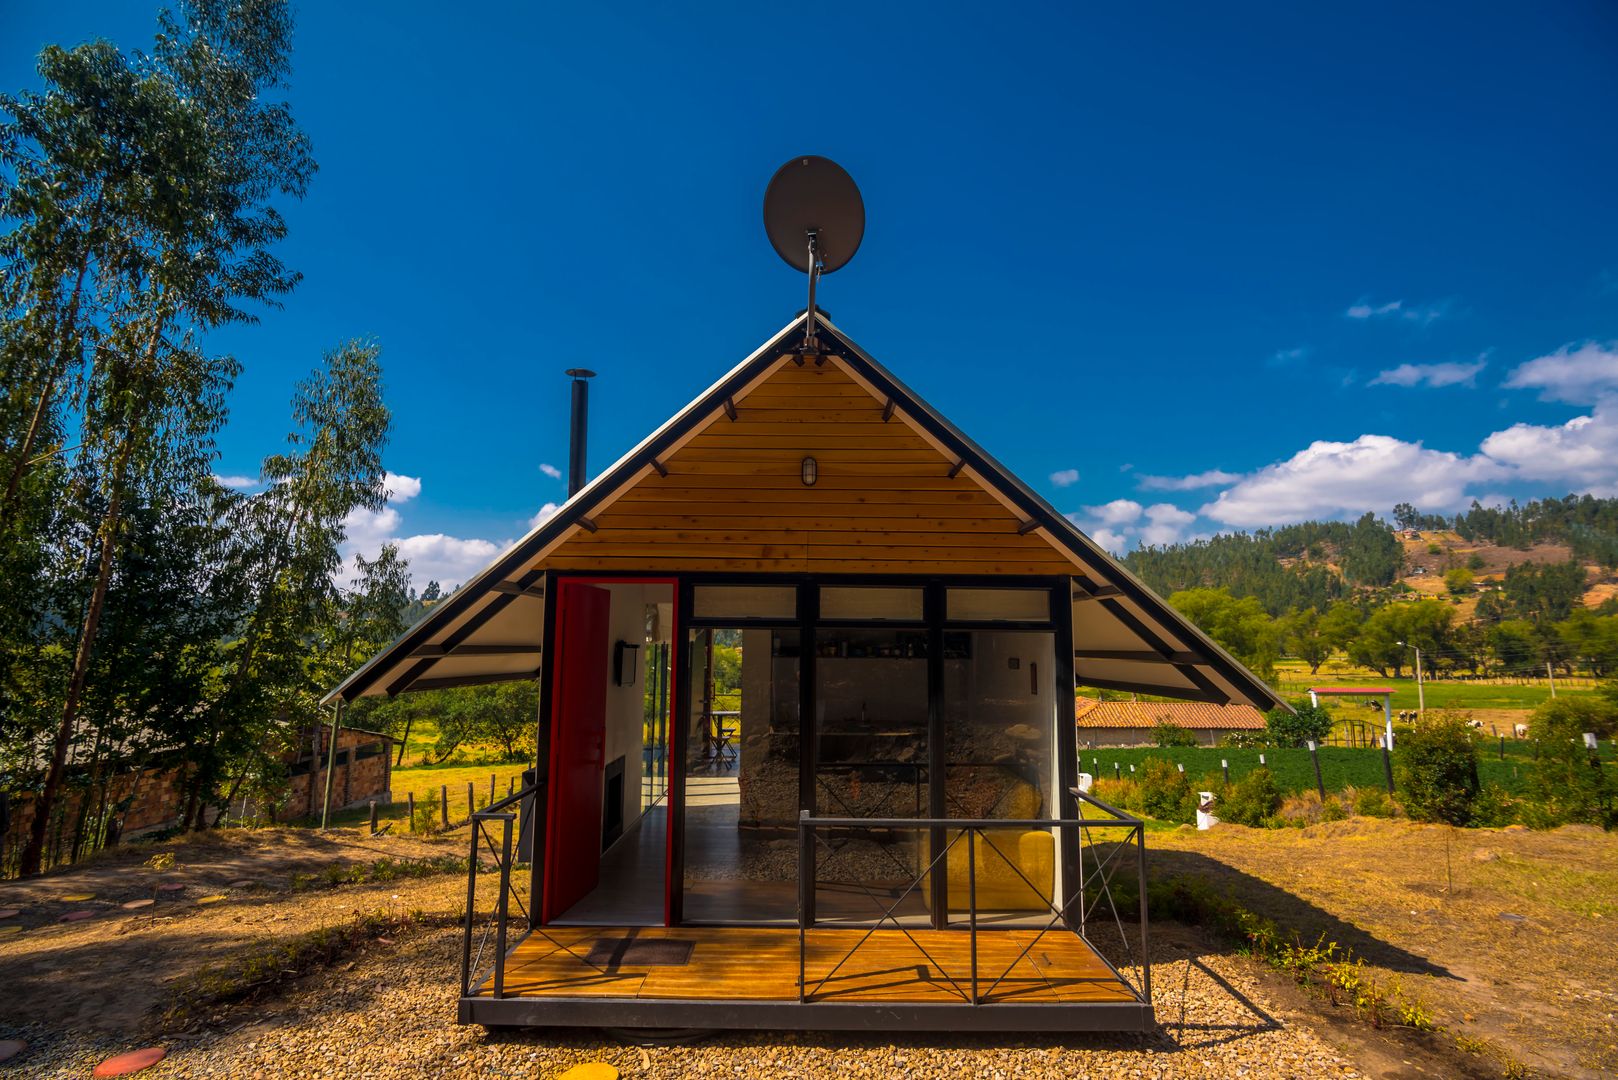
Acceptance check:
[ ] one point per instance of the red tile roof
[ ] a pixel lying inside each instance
(1196, 715)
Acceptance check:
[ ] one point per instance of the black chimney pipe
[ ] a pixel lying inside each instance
(577, 435)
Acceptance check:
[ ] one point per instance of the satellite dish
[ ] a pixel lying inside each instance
(815, 219)
(813, 199)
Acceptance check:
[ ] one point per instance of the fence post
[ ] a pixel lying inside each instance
(1502, 748)
(511, 786)
(1387, 766)
(373, 817)
(491, 789)
(1314, 756)
(1224, 766)
(410, 804)
(443, 803)
(1117, 771)
(470, 807)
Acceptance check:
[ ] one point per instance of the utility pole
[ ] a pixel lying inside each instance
(1421, 693)
(1550, 673)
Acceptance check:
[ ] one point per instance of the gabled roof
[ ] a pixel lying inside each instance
(1192, 715)
(1126, 637)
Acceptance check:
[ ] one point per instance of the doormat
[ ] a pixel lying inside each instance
(639, 952)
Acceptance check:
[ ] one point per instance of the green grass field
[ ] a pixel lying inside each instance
(1339, 767)
(1295, 681)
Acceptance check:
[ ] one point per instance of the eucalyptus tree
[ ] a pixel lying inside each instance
(289, 538)
(189, 151)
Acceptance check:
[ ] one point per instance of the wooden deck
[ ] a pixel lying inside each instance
(757, 964)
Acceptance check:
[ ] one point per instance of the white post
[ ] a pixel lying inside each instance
(1313, 700)
(1387, 719)
(1551, 675)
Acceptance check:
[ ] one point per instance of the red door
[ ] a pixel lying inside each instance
(578, 744)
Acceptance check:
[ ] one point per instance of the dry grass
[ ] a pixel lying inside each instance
(1505, 934)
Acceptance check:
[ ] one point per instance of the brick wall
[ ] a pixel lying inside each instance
(364, 772)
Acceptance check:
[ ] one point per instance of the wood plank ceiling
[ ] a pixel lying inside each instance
(733, 498)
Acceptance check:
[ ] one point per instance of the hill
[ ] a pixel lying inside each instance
(1464, 558)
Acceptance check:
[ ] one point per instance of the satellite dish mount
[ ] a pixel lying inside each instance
(815, 220)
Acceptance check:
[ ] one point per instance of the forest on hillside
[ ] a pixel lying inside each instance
(1320, 589)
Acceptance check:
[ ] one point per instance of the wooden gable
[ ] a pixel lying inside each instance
(733, 498)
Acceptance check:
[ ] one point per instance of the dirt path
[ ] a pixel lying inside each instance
(111, 971)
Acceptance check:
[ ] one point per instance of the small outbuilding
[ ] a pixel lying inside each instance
(1133, 723)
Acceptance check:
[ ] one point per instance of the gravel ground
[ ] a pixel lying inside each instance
(390, 1015)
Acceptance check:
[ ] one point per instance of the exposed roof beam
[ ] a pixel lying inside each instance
(1142, 656)
(730, 408)
(513, 588)
(955, 469)
(887, 411)
(477, 650)
(473, 680)
(662, 469)
(1185, 693)
(1027, 527)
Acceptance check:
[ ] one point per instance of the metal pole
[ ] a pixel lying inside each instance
(471, 904)
(1145, 940)
(1314, 756)
(1387, 767)
(501, 907)
(972, 907)
(578, 430)
(805, 869)
(331, 761)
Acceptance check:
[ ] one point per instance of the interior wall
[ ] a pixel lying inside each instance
(626, 704)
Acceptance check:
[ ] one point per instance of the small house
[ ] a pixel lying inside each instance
(806, 661)
(1135, 723)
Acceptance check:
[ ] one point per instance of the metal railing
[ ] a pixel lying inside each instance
(1092, 894)
(495, 816)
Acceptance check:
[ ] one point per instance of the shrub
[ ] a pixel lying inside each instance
(1436, 767)
(1167, 734)
(1246, 740)
(1568, 783)
(1458, 581)
(427, 823)
(1494, 808)
(1298, 725)
(1435, 549)
(1304, 808)
(1251, 800)
(1372, 802)
(1124, 794)
(1571, 717)
(1474, 562)
(1165, 791)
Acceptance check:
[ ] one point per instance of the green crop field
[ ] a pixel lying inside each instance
(1295, 681)
(1340, 767)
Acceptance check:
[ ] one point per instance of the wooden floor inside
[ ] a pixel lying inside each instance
(761, 964)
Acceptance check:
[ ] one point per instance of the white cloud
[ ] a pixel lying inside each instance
(237, 482)
(1117, 512)
(1211, 478)
(1581, 453)
(1423, 314)
(1578, 374)
(448, 560)
(400, 488)
(1331, 479)
(1065, 477)
(551, 471)
(544, 512)
(1287, 357)
(1435, 375)
(1122, 523)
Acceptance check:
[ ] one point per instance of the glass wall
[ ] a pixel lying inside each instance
(1000, 719)
(742, 752)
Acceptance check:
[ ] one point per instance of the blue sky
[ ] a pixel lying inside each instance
(1184, 268)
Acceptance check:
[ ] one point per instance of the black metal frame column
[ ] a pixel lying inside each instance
(808, 733)
(1067, 747)
(679, 739)
(937, 757)
(540, 800)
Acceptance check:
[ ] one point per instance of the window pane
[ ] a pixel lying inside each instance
(999, 605)
(741, 783)
(744, 602)
(1001, 711)
(864, 603)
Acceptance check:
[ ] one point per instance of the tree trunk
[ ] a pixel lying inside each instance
(33, 852)
(402, 742)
